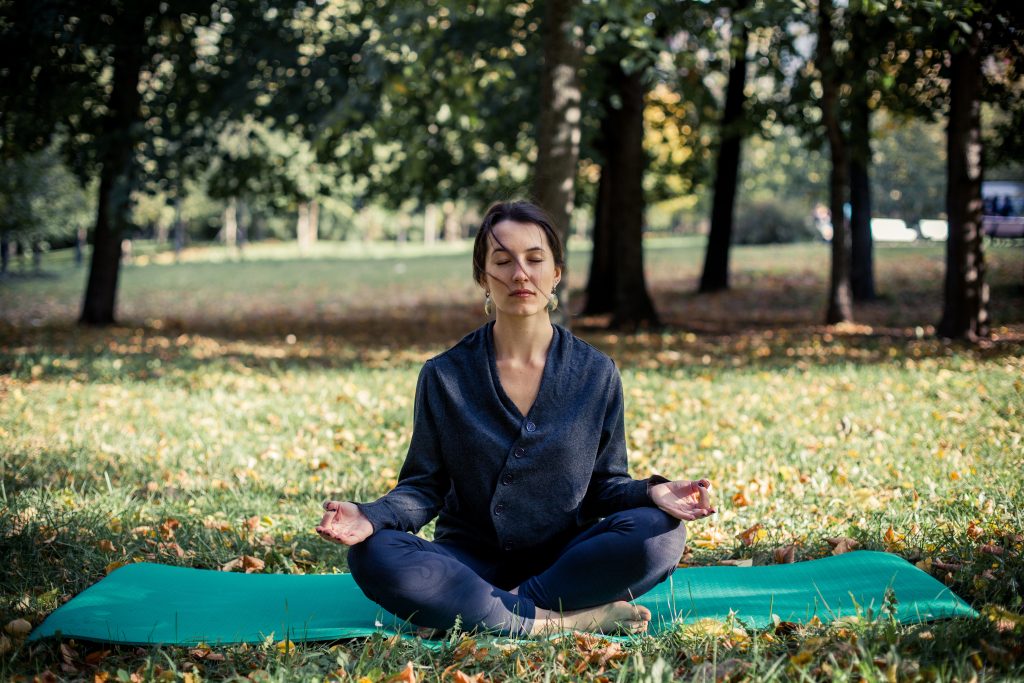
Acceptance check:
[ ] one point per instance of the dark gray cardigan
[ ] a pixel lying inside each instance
(502, 481)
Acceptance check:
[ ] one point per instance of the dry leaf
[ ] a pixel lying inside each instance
(459, 677)
(974, 531)
(785, 554)
(991, 549)
(18, 628)
(740, 500)
(247, 563)
(106, 545)
(842, 544)
(752, 535)
(743, 562)
(406, 675)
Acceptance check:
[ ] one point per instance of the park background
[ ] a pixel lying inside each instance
(232, 232)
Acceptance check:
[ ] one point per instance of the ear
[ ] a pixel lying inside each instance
(558, 275)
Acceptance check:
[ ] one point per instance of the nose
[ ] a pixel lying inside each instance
(520, 274)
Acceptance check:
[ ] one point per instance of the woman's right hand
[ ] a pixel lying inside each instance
(344, 523)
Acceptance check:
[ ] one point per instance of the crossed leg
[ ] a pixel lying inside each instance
(585, 588)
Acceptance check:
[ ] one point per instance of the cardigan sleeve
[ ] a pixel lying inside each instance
(424, 480)
(611, 488)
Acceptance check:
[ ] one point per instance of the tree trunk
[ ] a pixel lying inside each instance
(179, 229)
(452, 229)
(430, 220)
(313, 236)
(558, 129)
(5, 253)
(112, 215)
(230, 229)
(862, 276)
(716, 259)
(631, 306)
(840, 300)
(965, 310)
(601, 281)
(37, 257)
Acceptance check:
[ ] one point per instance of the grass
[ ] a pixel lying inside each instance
(236, 395)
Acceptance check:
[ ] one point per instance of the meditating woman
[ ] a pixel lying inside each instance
(519, 449)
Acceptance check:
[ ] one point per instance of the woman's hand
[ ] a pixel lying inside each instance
(684, 499)
(344, 523)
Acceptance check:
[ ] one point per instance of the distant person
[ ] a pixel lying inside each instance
(519, 446)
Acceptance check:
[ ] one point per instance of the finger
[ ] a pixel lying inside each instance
(704, 483)
(330, 505)
(327, 519)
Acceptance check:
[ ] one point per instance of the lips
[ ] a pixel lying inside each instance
(523, 293)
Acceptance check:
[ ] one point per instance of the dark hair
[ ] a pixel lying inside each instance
(520, 212)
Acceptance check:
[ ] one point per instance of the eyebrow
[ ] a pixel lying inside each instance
(495, 250)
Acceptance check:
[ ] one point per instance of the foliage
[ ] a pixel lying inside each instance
(40, 199)
(772, 222)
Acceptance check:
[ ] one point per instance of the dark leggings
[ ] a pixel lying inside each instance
(429, 584)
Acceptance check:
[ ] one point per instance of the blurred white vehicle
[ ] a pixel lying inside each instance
(891, 230)
(934, 229)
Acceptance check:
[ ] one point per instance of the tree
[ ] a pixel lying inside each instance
(840, 299)
(558, 128)
(715, 275)
(620, 206)
(83, 72)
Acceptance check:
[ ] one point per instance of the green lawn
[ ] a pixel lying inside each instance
(237, 395)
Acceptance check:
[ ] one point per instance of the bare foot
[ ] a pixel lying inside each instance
(613, 617)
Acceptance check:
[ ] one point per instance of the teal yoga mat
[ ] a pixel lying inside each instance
(159, 604)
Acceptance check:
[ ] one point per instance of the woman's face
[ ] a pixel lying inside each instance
(520, 269)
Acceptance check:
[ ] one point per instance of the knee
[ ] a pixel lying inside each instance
(368, 560)
(666, 539)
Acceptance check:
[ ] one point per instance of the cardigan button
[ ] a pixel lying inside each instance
(519, 452)
(530, 427)
(508, 546)
(507, 479)
(499, 508)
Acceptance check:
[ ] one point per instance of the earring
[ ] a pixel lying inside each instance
(488, 304)
(553, 301)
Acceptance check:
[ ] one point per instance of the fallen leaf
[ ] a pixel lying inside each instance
(891, 537)
(18, 628)
(991, 549)
(106, 545)
(247, 563)
(742, 562)
(740, 500)
(406, 675)
(785, 554)
(752, 535)
(842, 544)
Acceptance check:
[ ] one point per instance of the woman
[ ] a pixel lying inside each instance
(519, 444)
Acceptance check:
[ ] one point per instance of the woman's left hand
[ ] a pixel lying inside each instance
(684, 499)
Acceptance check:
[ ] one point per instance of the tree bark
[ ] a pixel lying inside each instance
(631, 306)
(862, 276)
(558, 129)
(715, 276)
(230, 229)
(965, 310)
(601, 281)
(116, 177)
(430, 220)
(840, 300)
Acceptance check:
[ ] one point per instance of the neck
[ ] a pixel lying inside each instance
(522, 339)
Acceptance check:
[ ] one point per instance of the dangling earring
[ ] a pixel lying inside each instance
(553, 301)
(488, 304)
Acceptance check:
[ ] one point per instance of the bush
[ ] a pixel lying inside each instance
(772, 222)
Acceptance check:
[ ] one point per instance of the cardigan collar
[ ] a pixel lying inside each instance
(558, 359)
